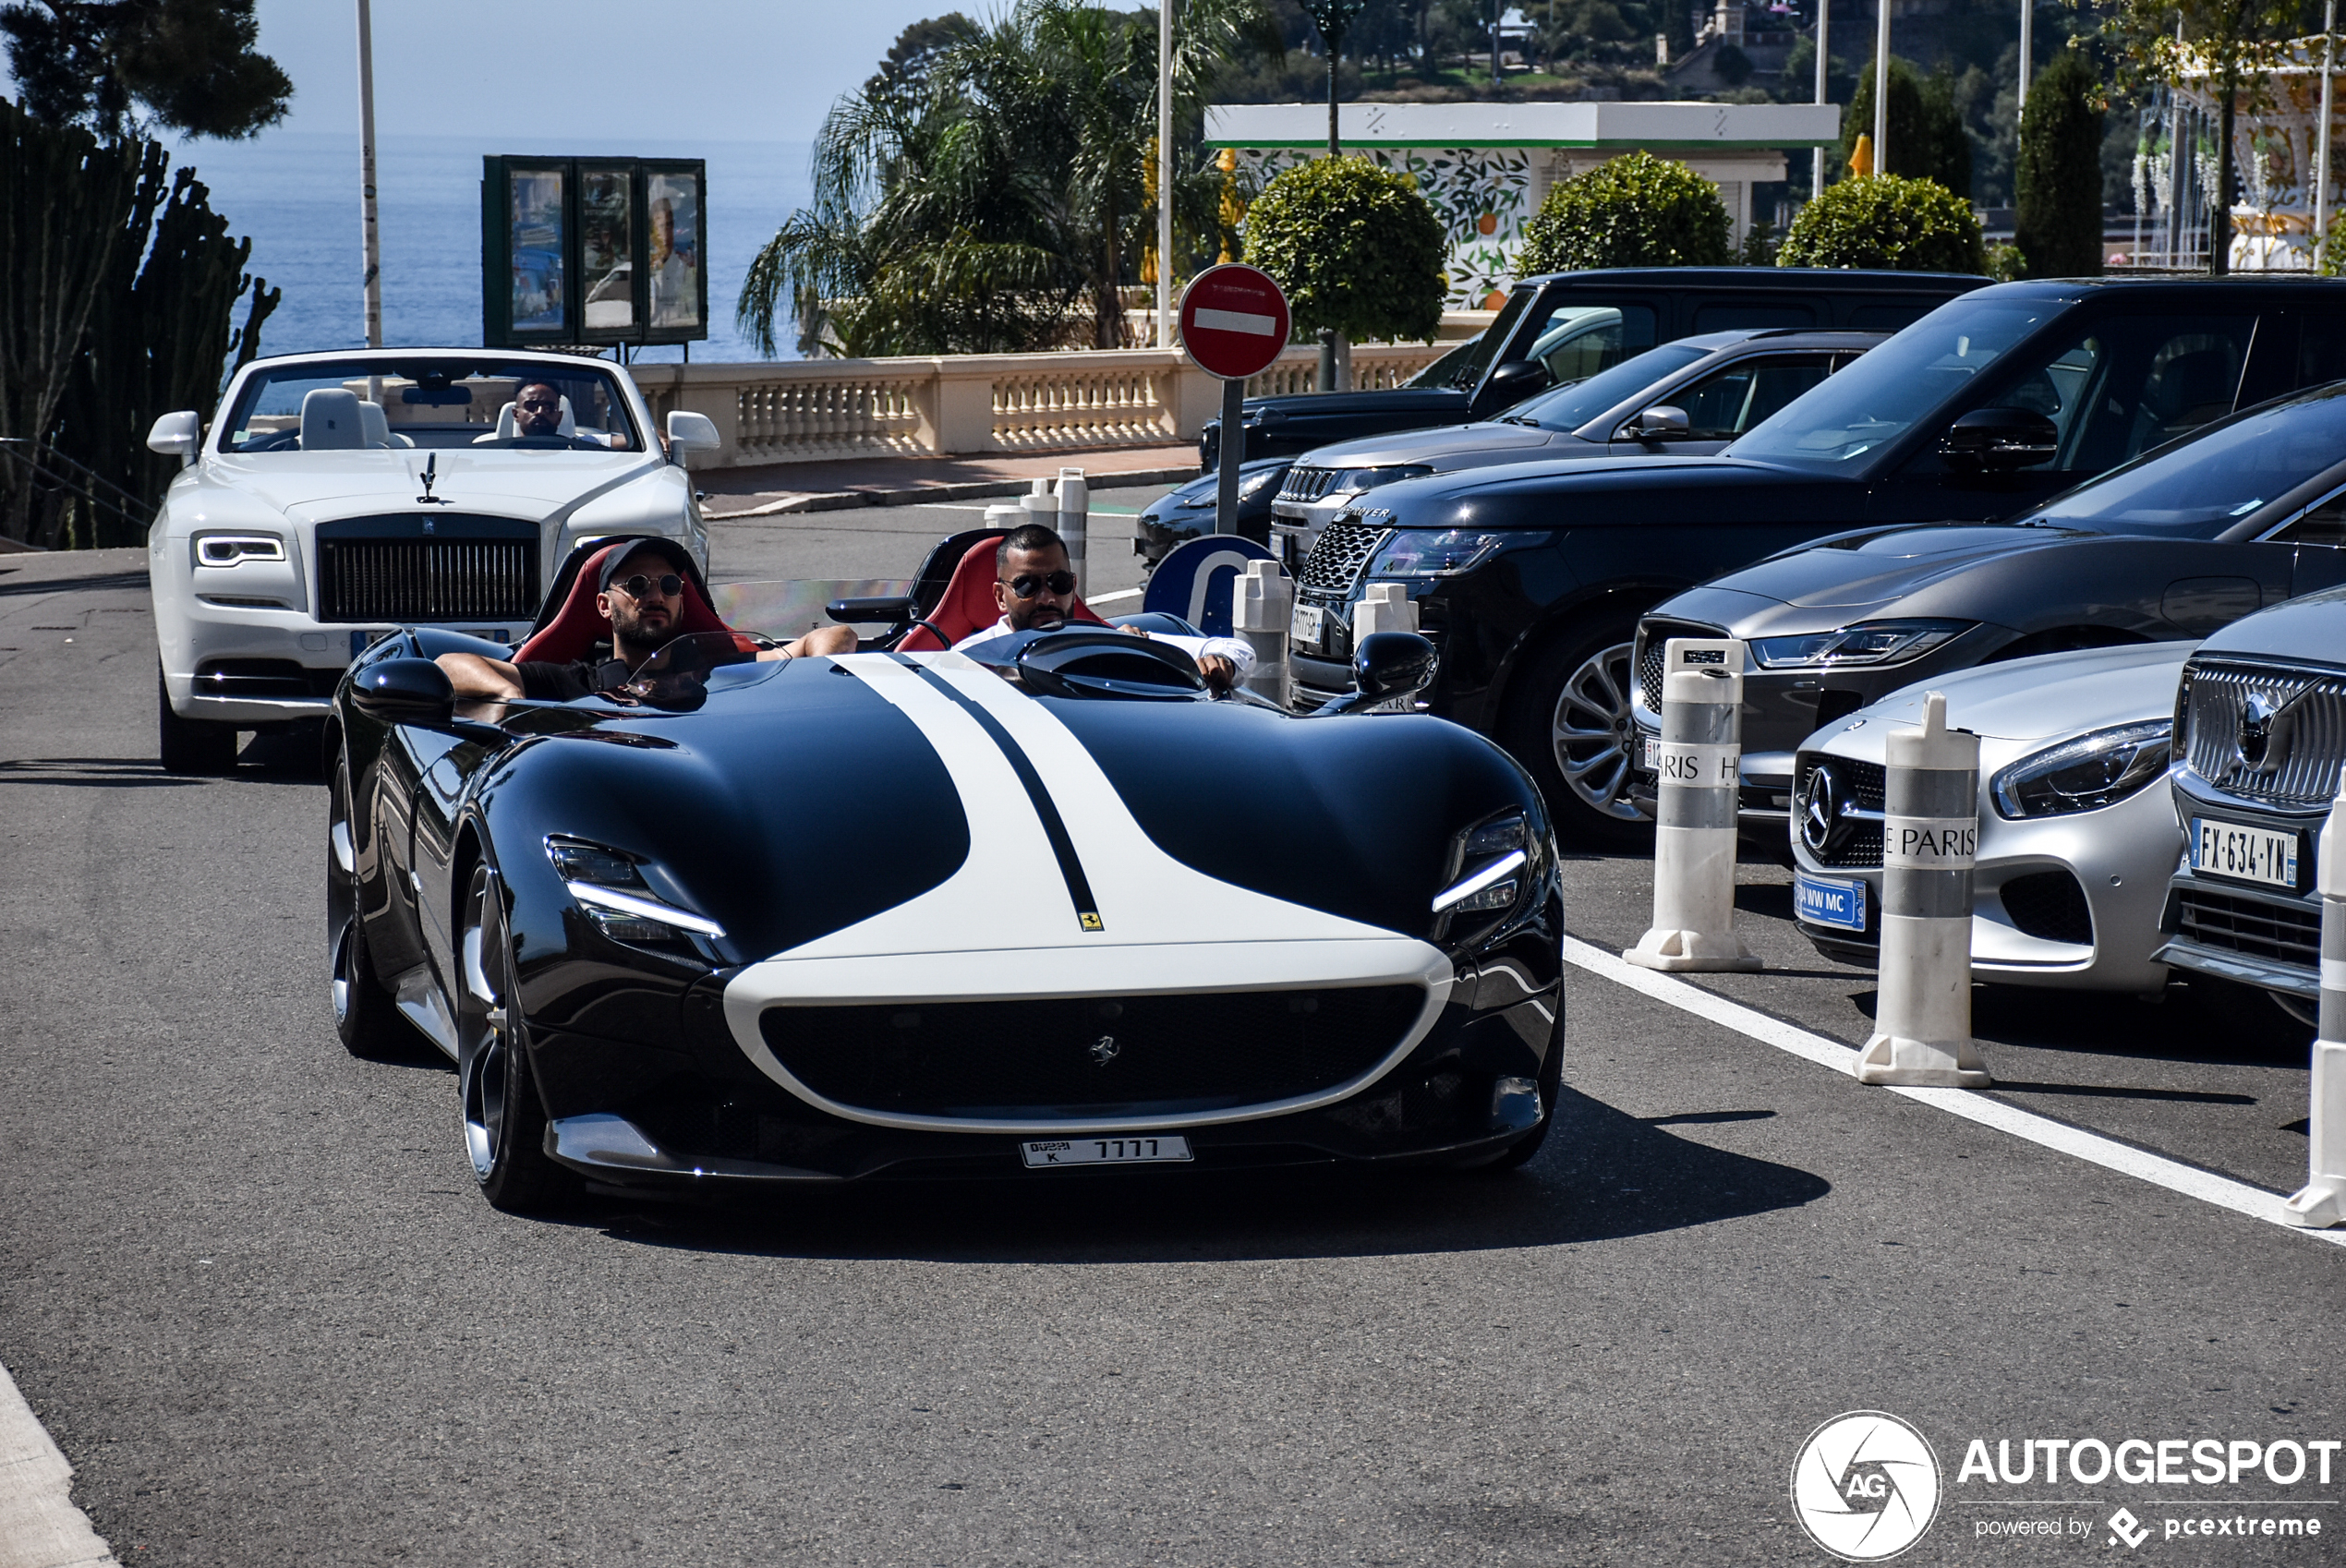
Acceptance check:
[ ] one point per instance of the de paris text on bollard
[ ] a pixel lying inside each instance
(1930, 835)
(2322, 1200)
(1699, 760)
(1262, 609)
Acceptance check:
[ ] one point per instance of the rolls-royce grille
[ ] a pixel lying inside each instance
(1088, 1056)
(1653, 648)
(1343, 548)
(2285, 933)
(1307, 484)
(378, 580)
(2275, 736)
(1850, 840)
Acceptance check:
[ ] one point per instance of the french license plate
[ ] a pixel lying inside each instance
(2248, 854)
(1044, 1153)
(1309, 622)
(1829, 901)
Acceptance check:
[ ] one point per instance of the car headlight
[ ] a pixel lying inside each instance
(1250, 487)
(231, 550)
(609, 890)
(1491, 858)
(2086, 774)
(1433, 552)
(1870, 641)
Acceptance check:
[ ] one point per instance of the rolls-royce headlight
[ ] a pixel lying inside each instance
(1433, 552)
(1490, 860)
(609, 890)
(1870, 642)
(2086, 774)
(231, 550)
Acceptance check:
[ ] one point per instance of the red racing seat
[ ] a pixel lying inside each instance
(967, 604)
(579, 625)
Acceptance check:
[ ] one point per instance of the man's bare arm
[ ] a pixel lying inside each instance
(474, 676)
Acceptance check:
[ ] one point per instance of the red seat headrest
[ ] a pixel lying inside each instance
(967, 604)
(571, 634)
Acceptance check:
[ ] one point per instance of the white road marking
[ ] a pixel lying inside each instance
(1120, 594)
(2091, 1147)
(40, 1527)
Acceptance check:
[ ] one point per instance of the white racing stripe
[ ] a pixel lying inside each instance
(2094, 1148)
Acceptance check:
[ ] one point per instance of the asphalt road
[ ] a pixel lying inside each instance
(245, 1283)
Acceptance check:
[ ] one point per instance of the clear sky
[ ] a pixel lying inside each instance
(730, 70)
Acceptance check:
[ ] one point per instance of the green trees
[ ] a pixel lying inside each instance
(967, 199)
(1886, 220)
(1634, 210)
(2058, 226)
(1356, 249)
(1927, 139)
(190, 64)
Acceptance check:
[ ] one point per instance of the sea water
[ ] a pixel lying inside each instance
(297, 196)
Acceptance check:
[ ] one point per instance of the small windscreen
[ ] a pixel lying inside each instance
(2198, 488)
(1462, 368)
(361, 403)
(1569, 407)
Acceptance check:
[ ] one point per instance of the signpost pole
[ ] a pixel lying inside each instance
(1226, 488)
(367, 177)
(1165, 174)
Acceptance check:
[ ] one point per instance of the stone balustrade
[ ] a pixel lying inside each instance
(800, 411)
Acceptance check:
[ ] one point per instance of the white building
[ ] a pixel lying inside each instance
(1486, 167)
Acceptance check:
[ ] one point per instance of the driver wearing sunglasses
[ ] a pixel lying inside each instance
(1035, 589)
(641, 596)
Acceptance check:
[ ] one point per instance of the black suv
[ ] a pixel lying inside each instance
(1564, 326)
(1531, 578)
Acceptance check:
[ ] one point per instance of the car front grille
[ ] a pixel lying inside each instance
(1854, 842)
(1653, 648)
(2304, 740)
(1064, 1058)
(1342, 548)
(2049, 905)
(399, 580)
(2282, 932)
(1307, 484)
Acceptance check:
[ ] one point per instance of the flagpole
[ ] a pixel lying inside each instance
(367, 177)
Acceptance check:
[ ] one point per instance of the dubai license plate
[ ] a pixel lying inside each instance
(1829, 901)
(2246, 855)
(1043, 1153)
(1309, 622)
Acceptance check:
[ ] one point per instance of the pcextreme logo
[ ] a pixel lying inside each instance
(1865, 1486)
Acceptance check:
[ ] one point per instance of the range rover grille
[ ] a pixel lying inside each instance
(1307, 484)
(1855, 842)
(1343, 548)
(2300, 718)
(2282, 932)
(399, 580)
(1653, 648)
(1067, 1058)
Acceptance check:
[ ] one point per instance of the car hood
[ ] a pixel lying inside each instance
(1492, 441)
(2027, 700)
(323, 483)
(2311, 630)
(1877, 566)
(1274, 410)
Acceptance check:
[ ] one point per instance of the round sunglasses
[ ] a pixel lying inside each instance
(670, 585)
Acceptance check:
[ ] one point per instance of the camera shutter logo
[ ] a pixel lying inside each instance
(1865, 1486)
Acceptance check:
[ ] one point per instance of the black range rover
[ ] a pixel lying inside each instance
(2260, 738)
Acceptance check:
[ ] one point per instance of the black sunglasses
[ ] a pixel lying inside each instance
(671, 586)
(1026, 584)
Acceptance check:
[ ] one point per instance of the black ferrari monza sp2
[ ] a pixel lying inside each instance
(889, 914)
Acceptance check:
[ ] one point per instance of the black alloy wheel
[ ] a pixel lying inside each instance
(504, 1119)
(364, 1017)
(1568, 724)
(191, 745)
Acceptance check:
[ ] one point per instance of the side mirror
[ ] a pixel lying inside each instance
(1996, 440)
(1512, 382)
(405, 691)
(178, 435)
(888, 610)
(1660, 423)
(688, 431)
(1386, 667)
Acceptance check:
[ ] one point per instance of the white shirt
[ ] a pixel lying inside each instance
(1240, 652)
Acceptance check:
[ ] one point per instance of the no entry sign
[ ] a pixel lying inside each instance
(1234, 321)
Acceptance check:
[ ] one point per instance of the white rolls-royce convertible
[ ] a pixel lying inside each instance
(340, 495)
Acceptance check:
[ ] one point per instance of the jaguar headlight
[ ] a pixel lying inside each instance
(1491, 859)
(2086, 774)
(609, 890)
(1870, 642)
(1433, 552)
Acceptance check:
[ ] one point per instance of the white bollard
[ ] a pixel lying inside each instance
(1040, 504)
(1006, 515)
(1929, 834)
(1701, 758)
(1262, 611)
(1075, 517)
(2322, 1200)
(1385, 607)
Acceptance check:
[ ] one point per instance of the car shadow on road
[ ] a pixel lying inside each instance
(100, 582)
(1603, 1176)
(268, 766)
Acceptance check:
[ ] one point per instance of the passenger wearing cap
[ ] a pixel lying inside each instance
(1035, 589)
(641, 595)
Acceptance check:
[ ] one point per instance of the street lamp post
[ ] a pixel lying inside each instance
(2027, 52)
(1882, 88)
(367, 177)
(2321, 154)
(1824, 63)
(1164, 172)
